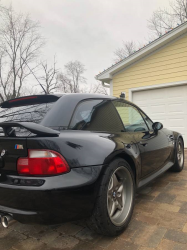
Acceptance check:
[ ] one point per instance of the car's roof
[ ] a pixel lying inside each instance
(81, 96)
(27, 100)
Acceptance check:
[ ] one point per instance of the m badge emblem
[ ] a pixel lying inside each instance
(17, 146)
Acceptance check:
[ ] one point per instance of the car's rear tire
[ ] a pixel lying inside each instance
(115, 202)
(179, 156)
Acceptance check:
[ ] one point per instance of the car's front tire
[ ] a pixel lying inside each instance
(179, 156)
(115, 202)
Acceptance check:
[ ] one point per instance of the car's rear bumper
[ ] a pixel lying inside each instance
(61, 198)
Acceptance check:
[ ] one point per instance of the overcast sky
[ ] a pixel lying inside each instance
(88, 30)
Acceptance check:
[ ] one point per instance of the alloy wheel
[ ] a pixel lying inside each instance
(120, 196)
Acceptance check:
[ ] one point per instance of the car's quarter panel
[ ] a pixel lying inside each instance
(84, 148)
(79, 148)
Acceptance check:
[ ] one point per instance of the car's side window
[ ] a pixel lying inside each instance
(96, 115)
(130, 116)
(147, 120)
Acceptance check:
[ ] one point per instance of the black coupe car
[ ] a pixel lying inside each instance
(72, 156)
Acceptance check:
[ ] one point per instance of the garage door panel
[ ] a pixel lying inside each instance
(177, 122)
(158, 109)
(158, 94)
(177, 99)
(166, 105)
(176, 107)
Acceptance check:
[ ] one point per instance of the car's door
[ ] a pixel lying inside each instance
(154, 147)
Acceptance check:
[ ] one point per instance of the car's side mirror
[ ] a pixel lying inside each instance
(157, 126)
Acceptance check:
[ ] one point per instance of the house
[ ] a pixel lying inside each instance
(155, 78)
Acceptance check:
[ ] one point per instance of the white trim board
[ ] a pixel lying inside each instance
(156, 86)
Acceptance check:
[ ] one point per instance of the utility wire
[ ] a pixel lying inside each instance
(34, 76)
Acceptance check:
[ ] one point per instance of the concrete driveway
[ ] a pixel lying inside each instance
(159, 222)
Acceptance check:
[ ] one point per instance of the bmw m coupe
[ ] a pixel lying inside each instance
(72, 156)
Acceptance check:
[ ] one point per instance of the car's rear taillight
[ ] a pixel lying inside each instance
(42, 162)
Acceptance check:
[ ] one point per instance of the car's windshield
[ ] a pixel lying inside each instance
(31, 113)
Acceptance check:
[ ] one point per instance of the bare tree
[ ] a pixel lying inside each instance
(72, 78)
(96, 88)
(20, 44)
(49, 77)
(163, 20)
(127, 49)
(65, 83)
(30, 90)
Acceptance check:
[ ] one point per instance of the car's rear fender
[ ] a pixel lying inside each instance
(176, 137)
(132, 157)
(83, 148)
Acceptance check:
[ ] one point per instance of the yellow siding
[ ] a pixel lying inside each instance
(166, 65)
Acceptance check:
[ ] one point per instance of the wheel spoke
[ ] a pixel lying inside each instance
(110, 185)
(120, 188)
(120, 202)
(113, 209)
(180, 154)
(179, 149)
(110, 201)
(115, 181)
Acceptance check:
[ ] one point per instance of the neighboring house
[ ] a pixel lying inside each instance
(155, 78)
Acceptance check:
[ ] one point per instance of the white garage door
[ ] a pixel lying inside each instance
(166, 105)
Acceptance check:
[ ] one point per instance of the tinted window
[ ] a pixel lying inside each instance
(31, 113)
(96, 115)
(130, 116)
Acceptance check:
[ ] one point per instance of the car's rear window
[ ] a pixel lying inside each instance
(31, 113)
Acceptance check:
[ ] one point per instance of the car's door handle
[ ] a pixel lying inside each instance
(143, 143)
